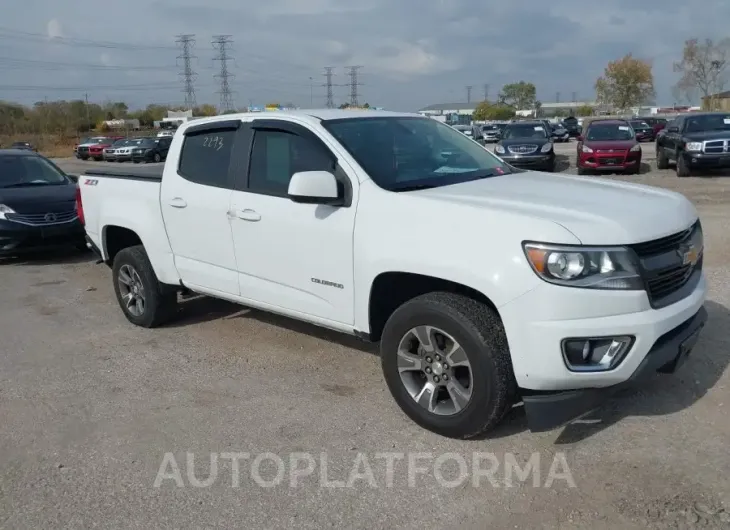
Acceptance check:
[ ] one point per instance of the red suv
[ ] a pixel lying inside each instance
(96, 151)
(608, 146)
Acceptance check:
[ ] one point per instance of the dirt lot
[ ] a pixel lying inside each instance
(90, 405)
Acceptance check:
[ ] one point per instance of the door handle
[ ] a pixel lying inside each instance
(248, 215)
(178, 202)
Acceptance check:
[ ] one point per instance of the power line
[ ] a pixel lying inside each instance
(222, 43)
(186, 44)
(354, 84)
(146, 86)
(468, 93)
(328, 73)
(56, 65)
(69, 41)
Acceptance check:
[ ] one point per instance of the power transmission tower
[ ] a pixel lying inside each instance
(575, 97)
(468, 93)
(222, 43)
(354, 84)
(328, 73)
(186, 44)
(486, 91)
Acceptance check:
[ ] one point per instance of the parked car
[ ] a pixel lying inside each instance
(465, 129)
(23, 145)
(527, 144)
(37, 205)
(82, 149)
(696, 141)
(121, 150)
(644, 131)
(111, 152)
(559, 133)
(165, 134)
(656, 123)
(151, 149)
(486, 133)
(608, 145)
(96, 150)
(561, 303)
(573, 127)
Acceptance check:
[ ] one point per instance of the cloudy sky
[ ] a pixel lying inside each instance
(413, 52)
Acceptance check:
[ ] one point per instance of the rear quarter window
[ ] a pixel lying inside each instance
(206, 157)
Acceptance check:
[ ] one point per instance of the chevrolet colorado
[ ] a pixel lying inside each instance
(485, 285)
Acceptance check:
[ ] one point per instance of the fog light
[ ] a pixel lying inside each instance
(595, 354)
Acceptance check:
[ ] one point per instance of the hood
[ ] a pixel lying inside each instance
(597, 211)
(707, 135)
(506, 142)
(40, 199)
(620, 145)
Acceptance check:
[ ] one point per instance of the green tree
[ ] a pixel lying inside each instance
(521, 95)
(584, 111)
(626, 82)
(704, 68)
(492, 111)
(205, 110)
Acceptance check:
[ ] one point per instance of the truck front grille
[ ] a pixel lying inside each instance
(661, 261)
(42, 219)
(714, 147)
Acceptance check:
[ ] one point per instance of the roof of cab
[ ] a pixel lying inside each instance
(17, 152)
(305, 115)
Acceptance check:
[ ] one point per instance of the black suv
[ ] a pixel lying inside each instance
(571, 125)
(151, 150)
(528, 145)
(699, 140)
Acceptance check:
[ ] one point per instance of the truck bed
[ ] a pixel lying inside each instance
(153, 173)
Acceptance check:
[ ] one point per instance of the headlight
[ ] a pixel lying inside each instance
(636, 148)
(5, 209)
(499, 149)
(693, 146)
(610, 268)
(586, 149)
(547, 148)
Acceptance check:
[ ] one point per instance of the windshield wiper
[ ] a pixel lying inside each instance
(415, 187)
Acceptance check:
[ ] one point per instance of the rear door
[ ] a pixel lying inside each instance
(194, 197)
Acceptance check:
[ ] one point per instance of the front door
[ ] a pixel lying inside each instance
(298, 257)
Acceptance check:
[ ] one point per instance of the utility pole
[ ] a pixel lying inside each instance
(328, 73)
(468, 93)
(88, 114)
(354, 84)
(186, 44)
(486, 91)
(222, 43)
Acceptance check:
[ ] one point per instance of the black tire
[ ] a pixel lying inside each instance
(135, 161)
(157, 158)
(582, 171)
(478, 329)
(662, 162)
(160, 300)
(682, 168)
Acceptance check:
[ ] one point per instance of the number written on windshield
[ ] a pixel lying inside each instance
(214, 142)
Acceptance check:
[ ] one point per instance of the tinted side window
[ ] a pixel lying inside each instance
(277, 155)
(205, 158)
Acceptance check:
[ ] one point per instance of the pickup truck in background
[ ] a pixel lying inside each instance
(485, 285)
(694, 142)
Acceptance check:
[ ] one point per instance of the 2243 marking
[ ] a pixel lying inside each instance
(214, 142)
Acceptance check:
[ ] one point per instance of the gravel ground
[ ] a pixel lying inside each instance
(90, 405)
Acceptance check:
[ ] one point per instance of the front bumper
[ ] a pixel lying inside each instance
(707, 161)
(606, 162)
(547, 411)
(18, 238)
(557, 313)
(538, 160)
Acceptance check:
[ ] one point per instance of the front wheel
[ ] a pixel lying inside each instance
(682, 167)
(662, 162)
(447, 364)
(143, 299)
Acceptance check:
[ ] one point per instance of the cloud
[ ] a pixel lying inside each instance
(53, 28)
(413, 52)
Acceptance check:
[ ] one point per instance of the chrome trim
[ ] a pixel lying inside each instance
(45, 222)
(526, 149)
(723, 144)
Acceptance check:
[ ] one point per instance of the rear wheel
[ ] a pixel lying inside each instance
(157, 157)
(143, 299)
(662, 162)
(446, 362)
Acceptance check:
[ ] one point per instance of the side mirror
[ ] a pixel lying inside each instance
(314, 187)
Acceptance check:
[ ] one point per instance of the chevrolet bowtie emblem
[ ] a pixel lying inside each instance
(689, 255)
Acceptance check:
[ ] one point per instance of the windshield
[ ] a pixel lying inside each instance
(640, 125)
(490, 128)
(120, 143)
(523, 131)
(609, 132)
(405, 153)
(145, 143)
(21, 171)
(709, 122)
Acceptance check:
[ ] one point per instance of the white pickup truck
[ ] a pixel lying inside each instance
(486, 286)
